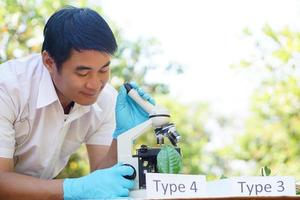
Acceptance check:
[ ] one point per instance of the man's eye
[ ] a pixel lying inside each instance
(104, 69)
(82, 73)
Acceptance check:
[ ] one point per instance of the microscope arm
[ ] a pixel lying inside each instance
(125, 140)
(125, 146)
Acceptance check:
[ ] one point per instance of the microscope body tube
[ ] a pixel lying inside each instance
(159, 115)
(148, 107)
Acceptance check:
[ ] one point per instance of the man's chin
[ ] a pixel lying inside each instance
(86, 102)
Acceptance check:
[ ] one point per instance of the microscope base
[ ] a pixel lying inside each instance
(138, 194)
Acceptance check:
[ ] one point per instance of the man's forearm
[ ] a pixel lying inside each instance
(110, 158)
(16, 186)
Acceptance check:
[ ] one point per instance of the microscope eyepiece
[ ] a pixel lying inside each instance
(128, 87)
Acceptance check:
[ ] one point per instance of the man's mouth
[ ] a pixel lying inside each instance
(90, 94)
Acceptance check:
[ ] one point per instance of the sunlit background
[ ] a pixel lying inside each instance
(206, 37)
(226, 70)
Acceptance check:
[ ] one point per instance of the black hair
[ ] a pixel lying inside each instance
(78, 29)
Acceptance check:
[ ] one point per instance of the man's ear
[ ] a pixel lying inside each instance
(48, 62)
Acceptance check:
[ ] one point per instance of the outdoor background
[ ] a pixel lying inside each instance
(227, 71)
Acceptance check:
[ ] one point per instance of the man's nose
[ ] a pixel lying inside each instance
(94, 83)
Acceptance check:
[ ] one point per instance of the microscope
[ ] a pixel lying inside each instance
(145, 158)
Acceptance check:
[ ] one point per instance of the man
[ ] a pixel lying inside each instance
(52, 103)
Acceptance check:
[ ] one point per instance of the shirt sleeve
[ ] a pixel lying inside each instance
(103, 134)
(7, 132)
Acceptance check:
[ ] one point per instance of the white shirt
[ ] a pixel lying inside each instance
(33, 128)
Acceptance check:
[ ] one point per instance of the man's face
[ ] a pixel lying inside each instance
(81, 77)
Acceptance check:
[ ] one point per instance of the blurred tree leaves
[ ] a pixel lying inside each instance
(22, 24)
(272, 133)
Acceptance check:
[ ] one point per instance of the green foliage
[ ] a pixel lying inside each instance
(135, 59)
(223, 176)
(22, 23)
(169, 160)
(298, 188)
(271, 33)
(272, 132)
(265, 171)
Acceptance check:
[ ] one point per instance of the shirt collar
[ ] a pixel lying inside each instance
(46, 93)
(97, 109)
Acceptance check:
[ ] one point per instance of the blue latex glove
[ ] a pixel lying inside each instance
(101, 184)
(128, 113)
